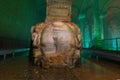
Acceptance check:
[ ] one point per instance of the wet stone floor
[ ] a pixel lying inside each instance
(18, 68)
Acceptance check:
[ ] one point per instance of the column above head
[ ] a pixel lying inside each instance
(58, 10)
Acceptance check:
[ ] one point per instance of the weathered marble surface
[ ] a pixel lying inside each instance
(56, 44)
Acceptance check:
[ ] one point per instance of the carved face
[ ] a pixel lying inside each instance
(58, 42)
(35, 36)
(35, 39)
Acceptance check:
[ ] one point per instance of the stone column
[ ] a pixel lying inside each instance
(97, 32)
(102, 25)
(81, 18)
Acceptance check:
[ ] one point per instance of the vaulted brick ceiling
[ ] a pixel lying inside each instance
(17, 16)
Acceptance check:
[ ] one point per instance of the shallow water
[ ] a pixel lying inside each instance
(18, 68)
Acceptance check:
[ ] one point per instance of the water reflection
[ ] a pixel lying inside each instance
(19, 68)
(51, 74)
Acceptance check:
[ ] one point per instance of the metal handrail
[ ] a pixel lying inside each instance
(8, 43)
(107, 44)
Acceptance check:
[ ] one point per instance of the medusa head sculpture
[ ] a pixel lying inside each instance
(57, 41)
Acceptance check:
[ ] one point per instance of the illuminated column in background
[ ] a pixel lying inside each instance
(81, 18)
(102, 25)
(97, 32)
(90, 34)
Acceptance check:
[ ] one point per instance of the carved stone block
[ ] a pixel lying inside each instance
(56, 44)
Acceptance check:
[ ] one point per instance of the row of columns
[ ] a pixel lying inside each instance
(97, 33)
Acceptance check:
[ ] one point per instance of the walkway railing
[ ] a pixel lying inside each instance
(107, 44)
(12, 46)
